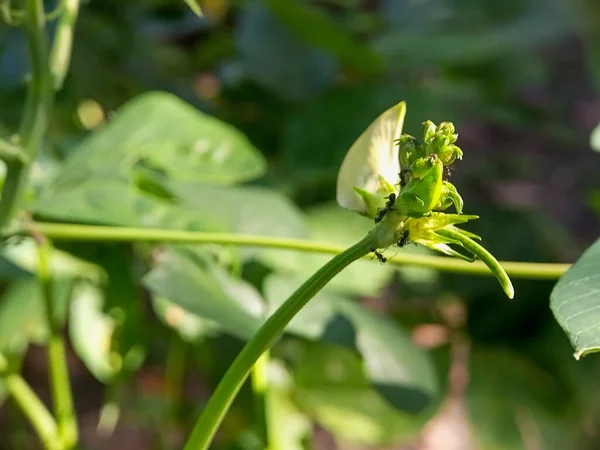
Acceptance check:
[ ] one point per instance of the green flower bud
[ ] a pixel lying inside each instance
(429, 131)
(449, 154)
(409, 149)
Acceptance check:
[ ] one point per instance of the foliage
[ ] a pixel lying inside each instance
(234, 118)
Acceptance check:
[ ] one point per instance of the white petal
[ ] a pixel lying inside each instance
(374, 153)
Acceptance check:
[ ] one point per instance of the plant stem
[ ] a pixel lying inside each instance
(35, 116)
(175, 374)
(232, 381)
(59, 372)
(39, 416)
(74, 232)
(63, 42)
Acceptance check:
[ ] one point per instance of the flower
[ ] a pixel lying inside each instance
(400, 183)
(371, 166)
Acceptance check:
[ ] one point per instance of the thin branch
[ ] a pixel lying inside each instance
(73, 232)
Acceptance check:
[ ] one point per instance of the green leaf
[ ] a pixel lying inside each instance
(190, 327)
(331, 387)
(24, 254)
(402, 48)
(399, 371)
(575, 302)
(287, 427)
(190, 280)
(533, 407)
(251, 210)
(160, 129)
(117, 202)
(322, 31)
(332, 224)
(265, 44)
(22, 313)
(90, 331)
(195, 7)
(107, 323)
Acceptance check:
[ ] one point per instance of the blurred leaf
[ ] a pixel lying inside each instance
(195, 7)
(287, 426)
(333, 224)
(398, 370)
(529, 413)
(266, 45)
(91, 331)
(173, 136)
(575, 302)
(118, 312)
(401, 49)
(595, 138)
(10, 271)
(116, 202)
(251, 210)
(319, 30)
(25, 255)
(193, 282)
(22, 313)
(331, 387)
(190, 327)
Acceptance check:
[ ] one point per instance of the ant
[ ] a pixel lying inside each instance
(403, 239)
(447, 172)
(379, 256)
(404, 176)
(388, 207)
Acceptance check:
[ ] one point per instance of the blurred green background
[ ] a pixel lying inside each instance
(385, 357)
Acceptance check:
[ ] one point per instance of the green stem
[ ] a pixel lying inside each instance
(35, 116)
(59, 372)
(42, 421)
(485, 256)
(68, 232)
(175, 374)
(232, 381)
(63, 42)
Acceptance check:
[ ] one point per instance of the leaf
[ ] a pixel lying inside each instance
(251, 210)
(24, 254)
(533, 407)
(90, 332)
(193, 282)
(575, 302)
(398, 370)
(175, 137)
(22, 313)
(332, 224)
(265, 44)
(595, 138)
(117, 203)
(321, 31)
(108, 321)
(331, 387)
(287, 426)
(195, 7)
(190, 327)
(402, 48)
